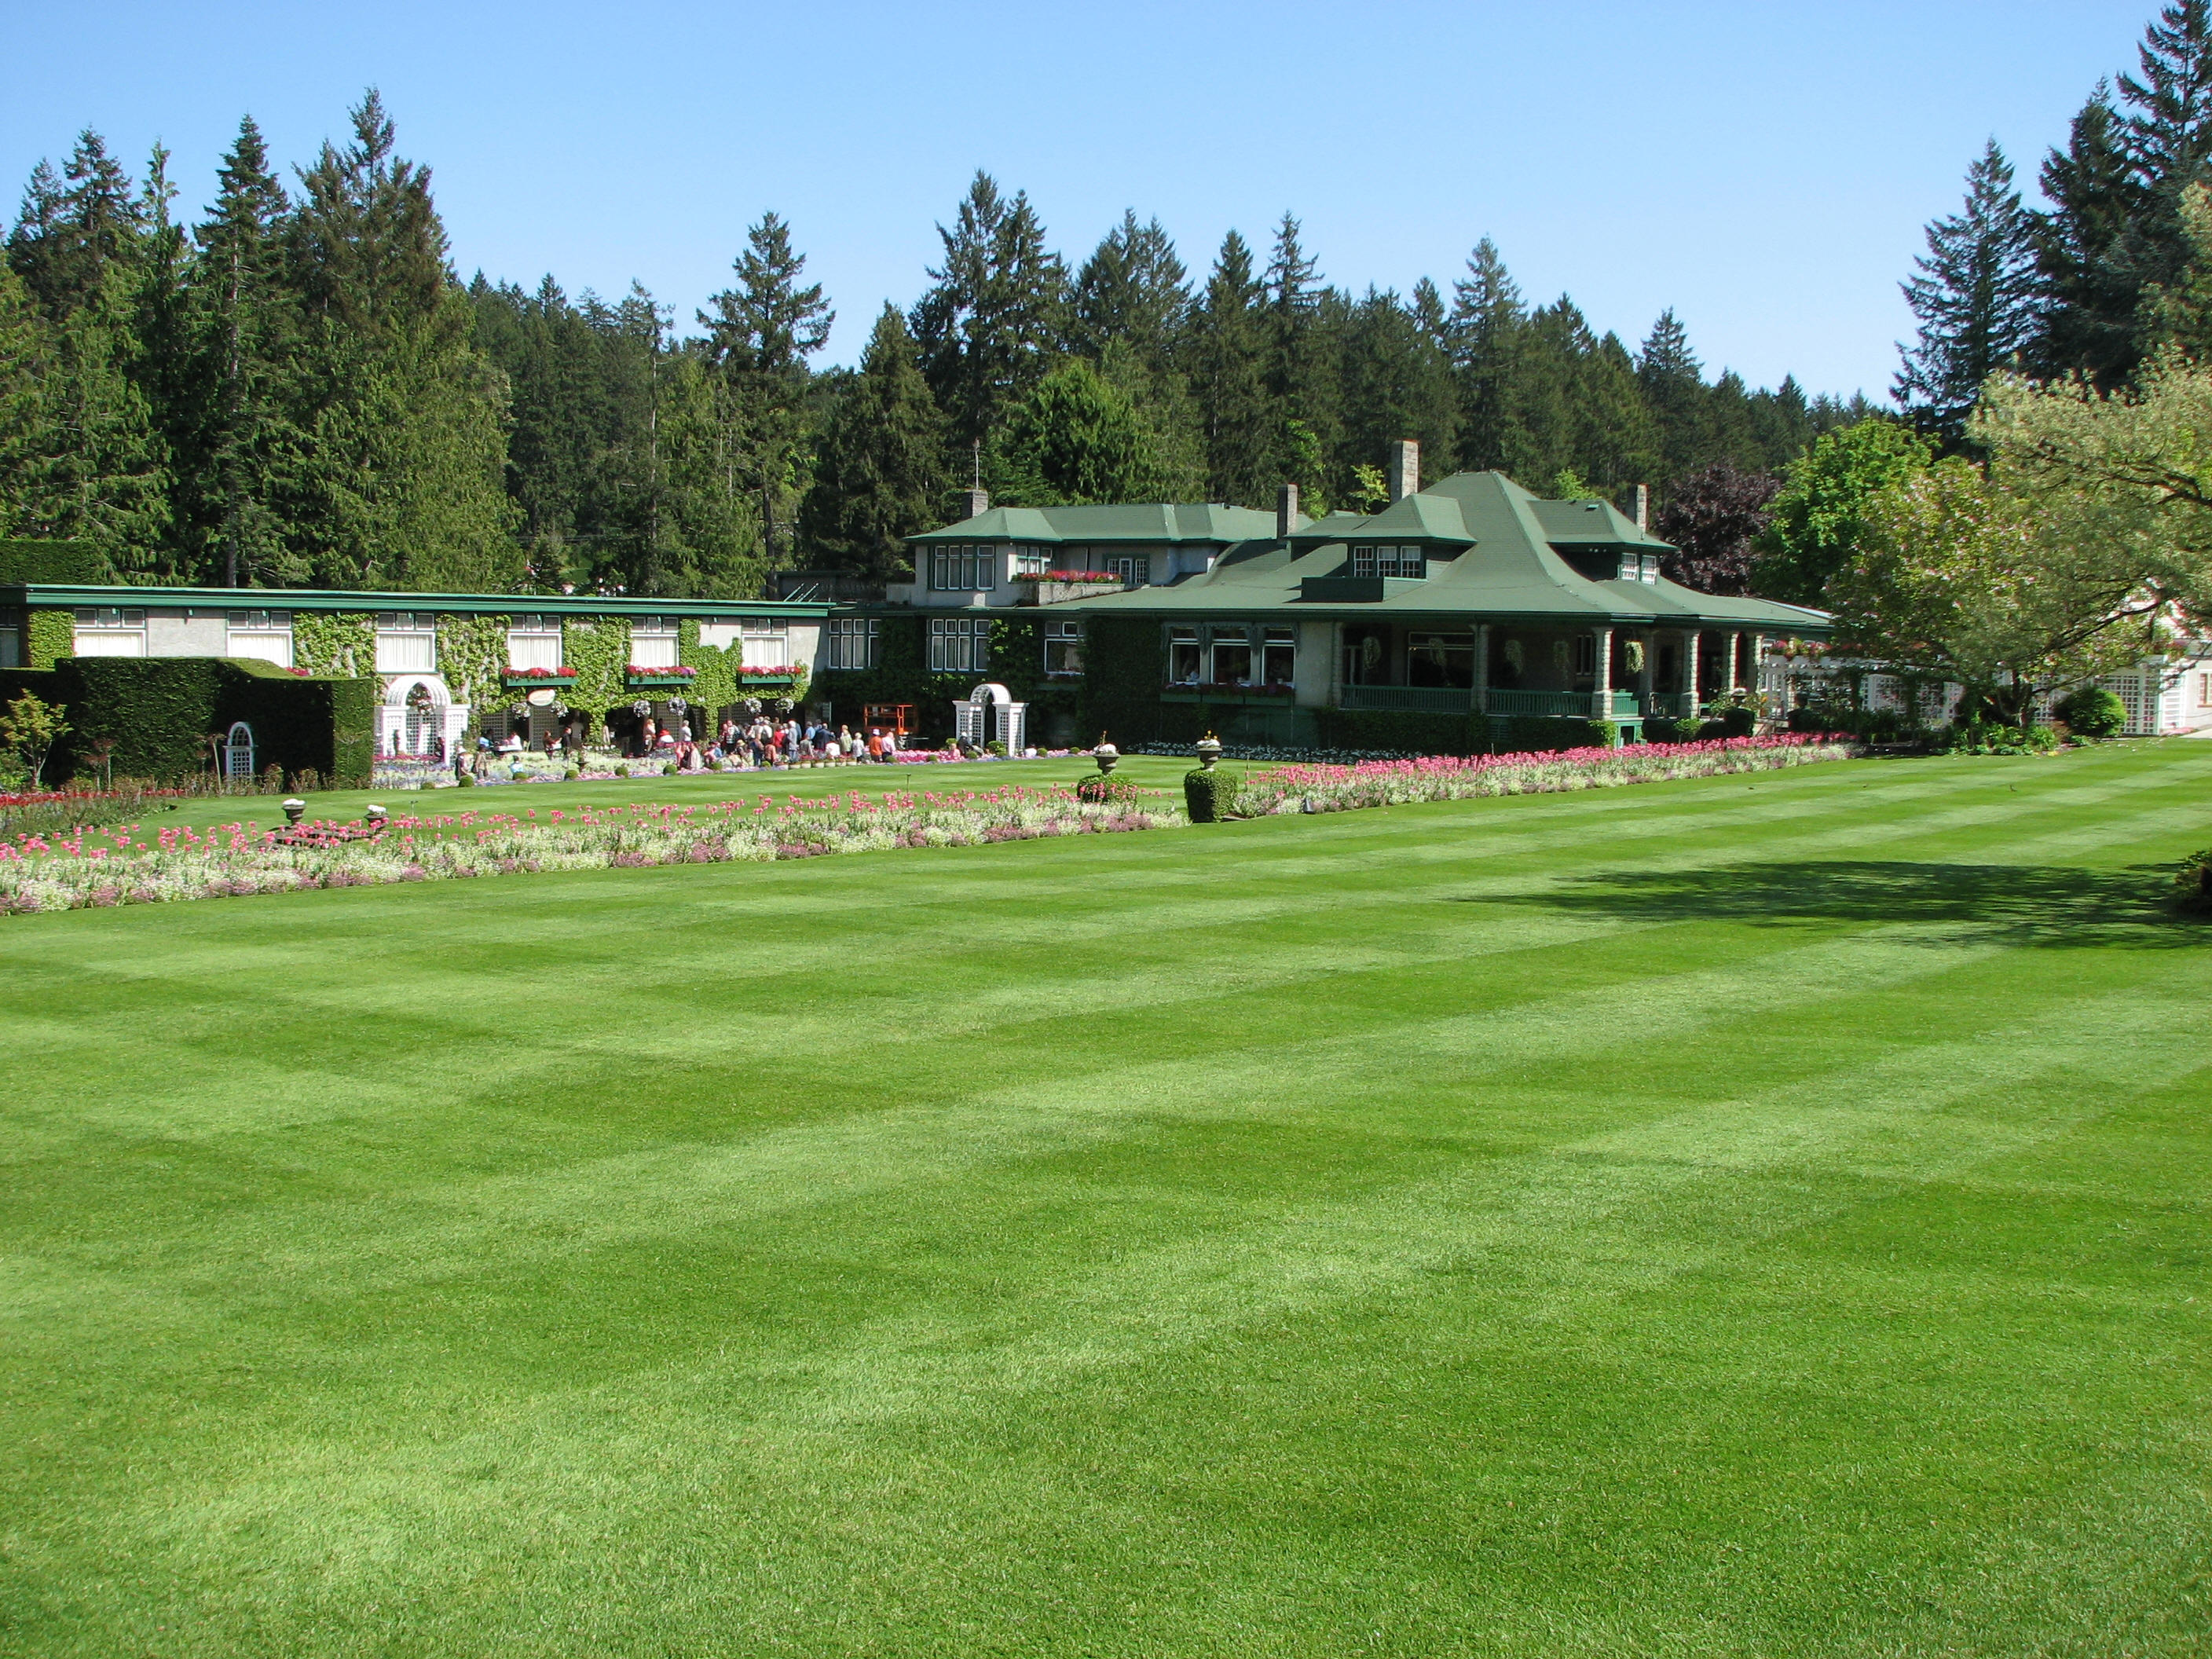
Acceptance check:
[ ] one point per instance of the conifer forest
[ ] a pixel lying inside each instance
(294, 386)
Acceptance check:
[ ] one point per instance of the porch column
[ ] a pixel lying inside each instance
(1647, 678)
(1685, 702)
(1482, 668)
(1336, 665)
(1734, 662)
(1758, 671)
(1602, 684)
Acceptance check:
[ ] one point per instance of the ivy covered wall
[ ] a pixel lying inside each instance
(598, 650)
(48, 636)
(472, 659)
(341, 643)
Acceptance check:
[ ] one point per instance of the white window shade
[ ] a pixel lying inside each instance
(262, 644)
(768, 651)
(533, 651)
(110, 643)
(407, 653)
(652, 650)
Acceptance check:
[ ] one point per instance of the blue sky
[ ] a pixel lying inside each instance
(1764, 168)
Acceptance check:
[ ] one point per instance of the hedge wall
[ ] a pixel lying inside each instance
(48, 636)
(1537, 732)
(1413, 734)
(22, 560)
(160, 710)
(1125, 664)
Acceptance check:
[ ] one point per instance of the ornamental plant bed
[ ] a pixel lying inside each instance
(539, 677)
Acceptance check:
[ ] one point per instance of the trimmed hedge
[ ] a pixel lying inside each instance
(1411, 734)
(159, 711)
(24, 560)
(1538, 733)
(1206, 795)
(2094, 711)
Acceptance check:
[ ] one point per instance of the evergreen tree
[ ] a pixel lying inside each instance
(1673, 384)
(69, 234)
(880, 475)
(403, 418)
(1975, 297)
(1616, 442)
(759, 336)
(1487, 327)
(992, 317)
(2090, 323)
(1133, 291)
(1397, 384)
(1228, 343)
(1306, 324)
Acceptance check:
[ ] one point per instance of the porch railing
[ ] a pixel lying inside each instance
(1407, 699)
(1625, 705)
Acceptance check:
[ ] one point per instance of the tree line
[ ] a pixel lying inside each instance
(297, 389)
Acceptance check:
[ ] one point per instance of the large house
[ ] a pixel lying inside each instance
(1467, 613)
(1469, 597)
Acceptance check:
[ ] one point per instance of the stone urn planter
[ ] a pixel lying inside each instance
(1208, 751)
(1107, 756)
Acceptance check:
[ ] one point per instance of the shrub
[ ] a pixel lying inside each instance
(1740, 720)
(1101, 789)
(621, 771)
(467, 780)
(1985, 738)
(2193, 880)
(668, 769)
(1605, 734)
(571, 774)
(2094, 711)
(1207, 794)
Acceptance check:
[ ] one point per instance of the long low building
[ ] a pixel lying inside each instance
(1464, 613)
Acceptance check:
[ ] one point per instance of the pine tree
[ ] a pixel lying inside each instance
(1227, 358)
(1673, 384)
(1397, 384)
(2089, 325)
(1976, 299)
(1485, 331)
(993, 315)
(244, 441)
(1616, 441)
(69, 234)
(881, 473)
(759, 336)
(403, 418)
(1133, 291)
(1306, 324)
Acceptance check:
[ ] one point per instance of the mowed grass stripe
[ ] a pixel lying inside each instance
(1575, 1263)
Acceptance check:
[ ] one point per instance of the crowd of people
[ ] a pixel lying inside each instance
(761, 744)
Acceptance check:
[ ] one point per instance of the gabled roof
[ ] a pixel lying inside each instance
(1506, 566)
(1140, 522)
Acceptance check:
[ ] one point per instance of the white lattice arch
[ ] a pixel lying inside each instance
(415, 708)
(988, 711)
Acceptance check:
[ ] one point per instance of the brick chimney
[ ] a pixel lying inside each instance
(1286, 512)
(1644, 506)
(975, 503)
(1404, 469)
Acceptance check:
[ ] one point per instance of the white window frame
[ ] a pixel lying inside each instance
(260, 636)
(852, 642)
(108, 631)
(1188, 640)
(1031, 561)
(764, 641)
(655, 642)
(1068, 637)
(1135, 569)
(533, 640)
(406, 642)
(1274, 640)
(959, 645)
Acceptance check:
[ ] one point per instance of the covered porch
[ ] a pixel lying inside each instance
(1626, 675)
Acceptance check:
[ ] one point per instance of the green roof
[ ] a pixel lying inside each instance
(1494, 553)
(1144, 521)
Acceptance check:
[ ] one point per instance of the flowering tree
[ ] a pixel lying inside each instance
(2012, 593)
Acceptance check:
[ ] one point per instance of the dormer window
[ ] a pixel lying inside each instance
(1389, 561)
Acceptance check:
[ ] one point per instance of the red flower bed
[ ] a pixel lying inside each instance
(675, 672)
(1065, 576)
(563, 672)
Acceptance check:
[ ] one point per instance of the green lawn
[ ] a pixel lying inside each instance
(1743, 1217)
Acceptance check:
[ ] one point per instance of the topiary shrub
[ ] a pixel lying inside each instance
(1206, 795)
(467, 780)
(2094, 712)
(1099, 789)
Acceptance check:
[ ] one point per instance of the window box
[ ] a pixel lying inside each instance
(642, 674)
(783, 675)
(536, 677)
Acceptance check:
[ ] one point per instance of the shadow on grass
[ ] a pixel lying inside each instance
(2016, 904)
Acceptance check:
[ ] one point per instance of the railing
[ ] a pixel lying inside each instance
(1625, 704)
(823, 587)
(1407, 699)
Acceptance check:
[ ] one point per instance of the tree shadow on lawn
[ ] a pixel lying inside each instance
(2004, 904)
